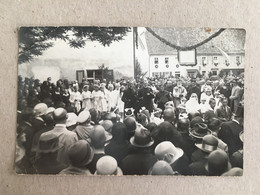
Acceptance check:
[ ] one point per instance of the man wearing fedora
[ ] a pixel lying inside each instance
(107, 165)
(66, 137)
(47, 150)
(80, 154)
(98, 140)
(175, 156)
(141, 159)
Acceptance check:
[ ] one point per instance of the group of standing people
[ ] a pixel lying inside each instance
(156, 127)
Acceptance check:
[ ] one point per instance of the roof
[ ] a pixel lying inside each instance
(230, 40)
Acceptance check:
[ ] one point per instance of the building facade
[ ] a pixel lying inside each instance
(222, 55)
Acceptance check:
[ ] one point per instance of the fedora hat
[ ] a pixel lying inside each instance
(40, 109)
(142, 137)
(107, 165)
(48, 143)
(196, 120)
(161, 168)
(199, 131)
(49, 110)
(107, 124)
(168, 152)
(59, 114)
(218, 163)
(209, 143)
(236, 171)
(80, 153)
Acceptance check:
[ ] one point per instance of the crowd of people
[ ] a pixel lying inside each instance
(152, 126)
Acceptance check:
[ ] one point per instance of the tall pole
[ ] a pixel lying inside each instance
(134, 31)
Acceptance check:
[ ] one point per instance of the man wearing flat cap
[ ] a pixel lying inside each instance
(66, 137)
(84, 128)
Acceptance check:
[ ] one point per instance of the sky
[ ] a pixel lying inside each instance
(118, 56)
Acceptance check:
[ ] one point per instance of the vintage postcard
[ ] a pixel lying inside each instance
(130, 101)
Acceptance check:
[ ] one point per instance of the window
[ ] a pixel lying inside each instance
(156, 60)
(214, 72)
(227, 62)
(90, 73)
(238, 60)
(215, 61)
(166, 60)
(203, 60)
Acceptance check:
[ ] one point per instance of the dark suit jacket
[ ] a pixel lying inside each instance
(229, 133)
(138, 163)
(223, 114)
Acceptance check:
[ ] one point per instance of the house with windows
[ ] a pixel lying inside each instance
(223, 53)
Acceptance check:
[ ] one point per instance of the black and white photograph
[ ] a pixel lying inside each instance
(130, 101)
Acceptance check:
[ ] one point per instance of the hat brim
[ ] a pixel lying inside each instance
(140, 146)
(197, 135)
(199, 145)
(178, 154)
(86, 161)
(119, 172)
(241, 136)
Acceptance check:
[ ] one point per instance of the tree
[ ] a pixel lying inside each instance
(138, 70)
(34, 40)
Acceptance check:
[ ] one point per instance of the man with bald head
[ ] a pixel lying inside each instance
(169, 114)
(66, 137)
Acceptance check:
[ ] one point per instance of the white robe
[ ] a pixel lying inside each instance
(86, 100)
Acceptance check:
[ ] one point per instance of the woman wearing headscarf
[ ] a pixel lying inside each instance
(192, 105)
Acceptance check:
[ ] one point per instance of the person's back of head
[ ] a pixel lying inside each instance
(130, 123)
(165, 132)
(119, 132)
(218, 163)
(169, 114)
(60, 116)
(151, 127)
(183, 125)
(98, 137)
(142, 119)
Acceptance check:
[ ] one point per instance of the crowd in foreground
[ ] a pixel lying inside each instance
(166, 126)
